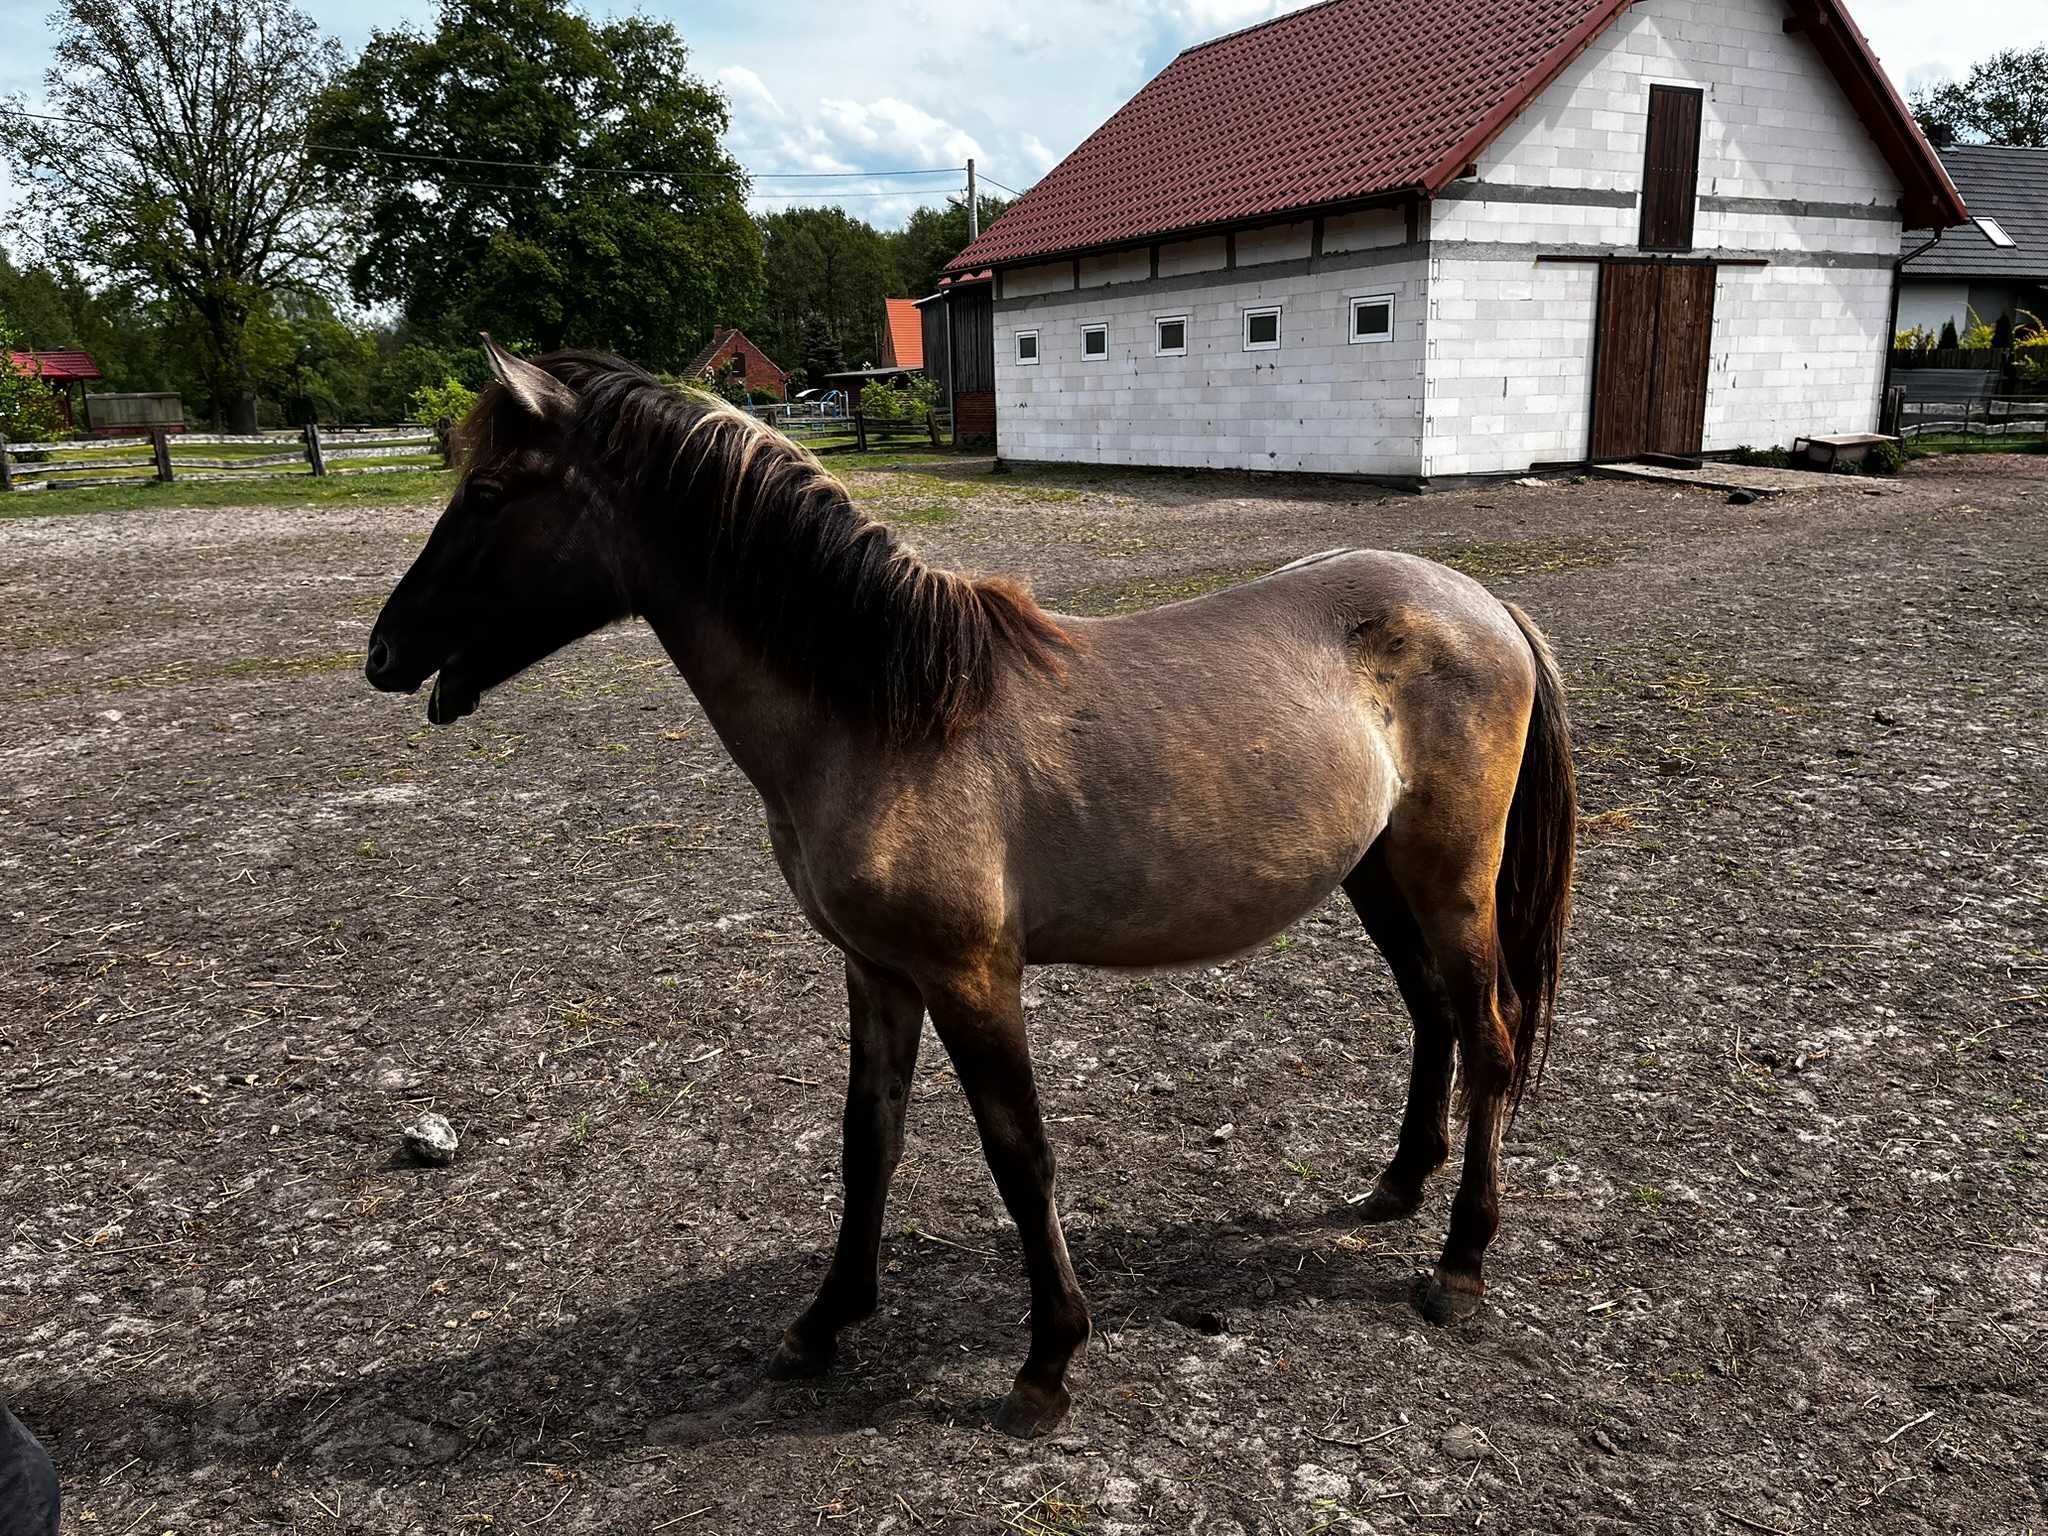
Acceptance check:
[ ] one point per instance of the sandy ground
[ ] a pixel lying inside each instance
(1773, 1254)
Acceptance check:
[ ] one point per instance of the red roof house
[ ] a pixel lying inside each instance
(1413, 239)
(902, 334)
(730, 345)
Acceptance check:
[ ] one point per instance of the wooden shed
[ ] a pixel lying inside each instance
(960, 352)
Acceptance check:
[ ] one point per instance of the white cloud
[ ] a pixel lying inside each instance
(748, 93)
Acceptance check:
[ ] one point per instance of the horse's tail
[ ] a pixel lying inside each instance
(1533, 893)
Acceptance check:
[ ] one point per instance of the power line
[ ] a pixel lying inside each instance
(999, 186)
(556, 167)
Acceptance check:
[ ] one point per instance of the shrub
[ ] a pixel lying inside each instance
(920, 397)
(1761, 458)
(450, 398)
(28, 408)
(1884, 459)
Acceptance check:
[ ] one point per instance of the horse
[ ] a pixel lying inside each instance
(958, 783)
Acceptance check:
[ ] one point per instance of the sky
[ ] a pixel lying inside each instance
(824, 85)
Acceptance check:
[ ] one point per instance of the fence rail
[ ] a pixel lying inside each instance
(174, 456)
(1998, 416)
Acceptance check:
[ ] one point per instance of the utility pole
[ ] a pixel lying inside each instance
(973, 206)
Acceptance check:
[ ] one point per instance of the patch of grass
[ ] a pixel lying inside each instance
(1937, 447)
(1608, 823)
(1650, 1196)
(263, 669)
(1134, 596)
(579, 1129)
(1492, 560)
(405, 487)
(1300, 1168)
(933, 514)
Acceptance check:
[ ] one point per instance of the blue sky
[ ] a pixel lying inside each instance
(821, 85)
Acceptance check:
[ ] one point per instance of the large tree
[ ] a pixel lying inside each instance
(553, 179)
(934, 236)
(824, 264)
(2003, 100)
(169, 151)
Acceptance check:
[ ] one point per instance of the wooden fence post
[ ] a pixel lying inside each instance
(6, 474)
(314, 459)
(444, 439)
(160, 445)
(1894, 408)
(931, 422)
(860, 432)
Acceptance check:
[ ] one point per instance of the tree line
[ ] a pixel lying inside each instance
(217, 201)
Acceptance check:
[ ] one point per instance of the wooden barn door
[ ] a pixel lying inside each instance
(1652, 346)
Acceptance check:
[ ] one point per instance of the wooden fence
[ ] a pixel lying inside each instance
(169, 456)
(2021, 418)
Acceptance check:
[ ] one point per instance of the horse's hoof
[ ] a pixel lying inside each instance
(1386, 1203)
(794, 1360)
(1446, 1298)
(1030, 1413)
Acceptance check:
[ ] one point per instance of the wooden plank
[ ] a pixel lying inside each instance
(1624, 355)
(84, 444)
(1685, 341)
(254, 461)
(235, 439)
(60, 467)
(332, 454)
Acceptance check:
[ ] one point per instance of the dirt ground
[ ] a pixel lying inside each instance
(1774, 1247)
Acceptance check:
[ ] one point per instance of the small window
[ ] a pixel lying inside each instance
(1027, 348)
(1170, 336)
(1094, 343)
(1262, 329)
(1995, 233)
(1372, 319)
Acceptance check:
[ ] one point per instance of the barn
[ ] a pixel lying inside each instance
(1414, 239)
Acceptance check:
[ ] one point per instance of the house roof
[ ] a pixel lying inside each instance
(906, 333)
(56, 367)
(2009, 185)
(1353, 101)
(721, 338)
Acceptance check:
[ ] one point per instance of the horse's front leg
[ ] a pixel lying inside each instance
(981, 1022)
(887, 1017)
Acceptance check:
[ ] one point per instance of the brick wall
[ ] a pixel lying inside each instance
(1316, 403)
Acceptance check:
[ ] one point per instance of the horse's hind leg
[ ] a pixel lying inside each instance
(886, 1016)
(1425, 1124)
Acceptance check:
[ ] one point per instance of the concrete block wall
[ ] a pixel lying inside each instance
(1510, 364)
(1317, 404)
(1798, 351)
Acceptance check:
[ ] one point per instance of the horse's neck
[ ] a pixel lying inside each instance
(774, 731)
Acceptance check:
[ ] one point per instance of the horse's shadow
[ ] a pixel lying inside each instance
(680, 1366)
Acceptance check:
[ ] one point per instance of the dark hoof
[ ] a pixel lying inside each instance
(1030, 1412)
(1386, 1203)
(796, 1360)
(1446, 1298)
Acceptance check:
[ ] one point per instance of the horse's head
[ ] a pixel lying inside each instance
(520, 564)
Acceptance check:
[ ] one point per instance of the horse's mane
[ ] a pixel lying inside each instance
(773, 539)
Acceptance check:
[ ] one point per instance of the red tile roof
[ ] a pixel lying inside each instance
(56, 367)
(1352, 100)
(905, 348)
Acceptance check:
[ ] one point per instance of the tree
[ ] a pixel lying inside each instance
(177, 161)
(2003, 100)
(933, 237)
(819, 350)
(28, 411)
(536, 174)
(823, 265)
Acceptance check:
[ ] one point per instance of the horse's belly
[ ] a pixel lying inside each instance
(1166, 906)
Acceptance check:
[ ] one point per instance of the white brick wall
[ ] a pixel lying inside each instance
(1318, 403)
(1798, 346)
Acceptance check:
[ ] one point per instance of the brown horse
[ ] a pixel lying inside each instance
(959, 784)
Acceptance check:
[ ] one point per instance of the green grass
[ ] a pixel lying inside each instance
(1935, 447)
(426, 487)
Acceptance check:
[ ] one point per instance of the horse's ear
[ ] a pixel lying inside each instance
(540, 392)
